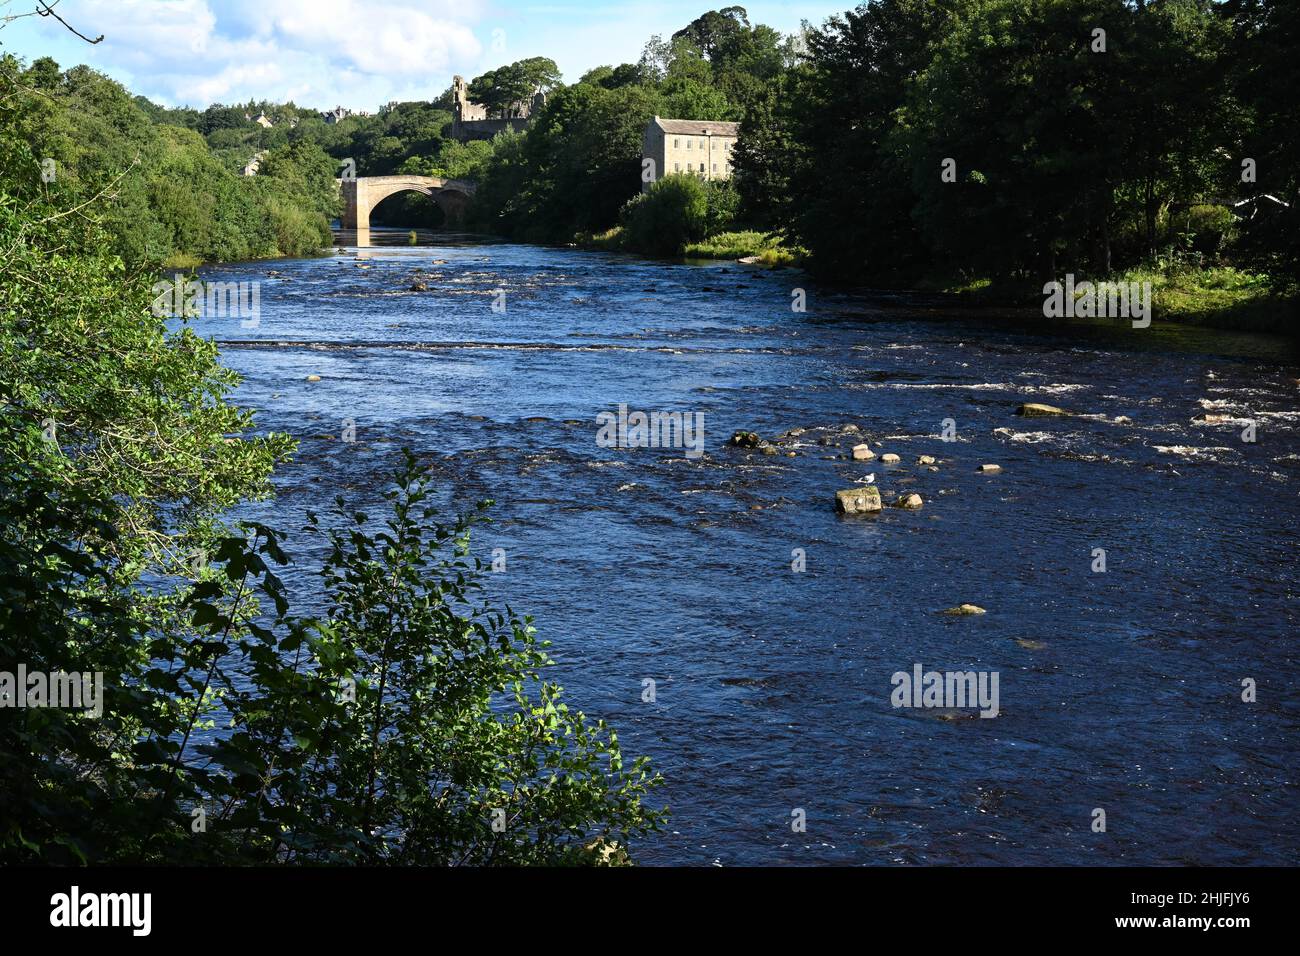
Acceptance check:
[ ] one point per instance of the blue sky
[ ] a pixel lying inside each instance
(357, 53)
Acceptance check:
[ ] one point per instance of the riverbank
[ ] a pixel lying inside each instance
(1219, 297)
(750, 246)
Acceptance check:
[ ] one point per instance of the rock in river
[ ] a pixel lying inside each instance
(890, 458)
(965, 609)
(852, 501)
(1035, 410)
(989, 469)
(863, 452)
(911, 501)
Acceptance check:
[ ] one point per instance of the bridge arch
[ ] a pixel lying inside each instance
(362, 194)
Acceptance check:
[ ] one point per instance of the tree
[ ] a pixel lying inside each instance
(1264, 71)
(713, 31)
(503, 89)
(815, 159)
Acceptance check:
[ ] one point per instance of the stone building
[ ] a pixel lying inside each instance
(335, 115)
(469, 120)
(701, 147)
(255, 163)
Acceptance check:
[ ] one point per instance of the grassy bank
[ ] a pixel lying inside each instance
(1217, 296)
(761, 247)
(742, 245)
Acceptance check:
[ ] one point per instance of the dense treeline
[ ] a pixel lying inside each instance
(165, 195)
(1070, 149)
(579, 162)
(950, 143)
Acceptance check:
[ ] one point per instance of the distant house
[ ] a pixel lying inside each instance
(700, 147)
(255, 163)
(261, 119)
(335, 115)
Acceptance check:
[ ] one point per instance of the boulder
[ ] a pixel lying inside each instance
(863, 452)
(747, 440)
(989, 469)
(852, 501)
(1035, 410)
(890, 458)
(963, 610)
(912, 501)
(313, 378)
(925, 460)
(419, 287)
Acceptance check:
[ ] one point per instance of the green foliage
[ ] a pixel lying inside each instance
(394, 727)
(164, 194)
(501, 89)
(1265, 80)
(672, 213)
(814, 158)
(1066, 157)
(580, 160)
(380, 145)
(765, 247)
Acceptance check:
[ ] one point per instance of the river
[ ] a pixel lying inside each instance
(1120, 690)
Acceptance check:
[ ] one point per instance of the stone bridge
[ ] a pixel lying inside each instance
(362, 194)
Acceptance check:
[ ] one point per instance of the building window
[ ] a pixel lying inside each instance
(715, 167)
(688, 142)
(701, 167)
(677, 167)
(677, 143)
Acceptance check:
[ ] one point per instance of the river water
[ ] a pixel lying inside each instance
(1118, 690)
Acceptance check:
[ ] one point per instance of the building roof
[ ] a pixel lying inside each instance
(698, 127)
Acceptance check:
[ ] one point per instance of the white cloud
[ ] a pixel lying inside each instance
(318, 52)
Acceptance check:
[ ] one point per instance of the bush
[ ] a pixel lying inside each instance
(672, 213)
